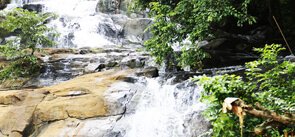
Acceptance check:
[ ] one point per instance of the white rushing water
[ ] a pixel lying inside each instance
(160, 109)
(166, 111)
(77, 21)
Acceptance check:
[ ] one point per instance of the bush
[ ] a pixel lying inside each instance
(268, 83)
(193, 20)
(30, 33)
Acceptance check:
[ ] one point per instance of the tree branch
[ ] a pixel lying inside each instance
(264, 113)
(271, 115)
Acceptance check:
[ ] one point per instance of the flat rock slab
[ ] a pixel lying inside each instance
(96, 127)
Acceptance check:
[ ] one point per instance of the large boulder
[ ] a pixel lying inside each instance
(135, 29)
(27, 112)
(16, 111)
(96, 127)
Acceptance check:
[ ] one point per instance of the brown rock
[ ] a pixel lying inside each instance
(79, 98)
(80, 107)
(12, 97)
(15, 118)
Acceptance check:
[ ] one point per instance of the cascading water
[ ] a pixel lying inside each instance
(165, 110)
(158, 109)
(77, 23)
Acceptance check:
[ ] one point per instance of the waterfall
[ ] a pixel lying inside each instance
(18, 3)
(78, 23)
(166, 110)
(158, 109)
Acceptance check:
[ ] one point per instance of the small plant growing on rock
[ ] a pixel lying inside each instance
(29, 33)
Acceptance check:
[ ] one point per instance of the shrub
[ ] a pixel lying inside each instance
(30, 33)
(268, 83)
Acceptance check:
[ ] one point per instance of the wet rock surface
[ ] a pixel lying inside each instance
(149, 72)
(99, 82)
(33, 7)
(103, 104)
(64, 64)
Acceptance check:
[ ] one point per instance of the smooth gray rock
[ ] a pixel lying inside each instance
(135, 30)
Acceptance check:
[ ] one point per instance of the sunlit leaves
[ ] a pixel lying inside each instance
(179, 20)
(270, 81)
(30, 32)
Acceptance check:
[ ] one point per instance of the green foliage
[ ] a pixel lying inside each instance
(216, 89)
(194, 20)
(29, 27)
(192, 56)
(272, 81)
(30, 33)
(23, 67)
(141, 4)
(268, 81)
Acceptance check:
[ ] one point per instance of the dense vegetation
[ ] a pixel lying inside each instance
(268, 84)
(241, 24)
(28, 33)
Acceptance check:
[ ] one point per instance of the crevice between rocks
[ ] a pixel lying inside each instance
(31, 127)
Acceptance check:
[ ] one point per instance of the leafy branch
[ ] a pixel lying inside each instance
(268, 83)
(29, 34)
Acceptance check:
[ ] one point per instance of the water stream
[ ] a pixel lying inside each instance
(166, 110)
(159, 109)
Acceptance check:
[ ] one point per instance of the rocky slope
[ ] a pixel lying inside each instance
(112, 103)
(54, 108)
(97, 82)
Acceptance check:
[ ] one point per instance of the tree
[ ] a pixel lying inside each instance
(246, 23)
(195, 20)
(268, 86)
(30, 33)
